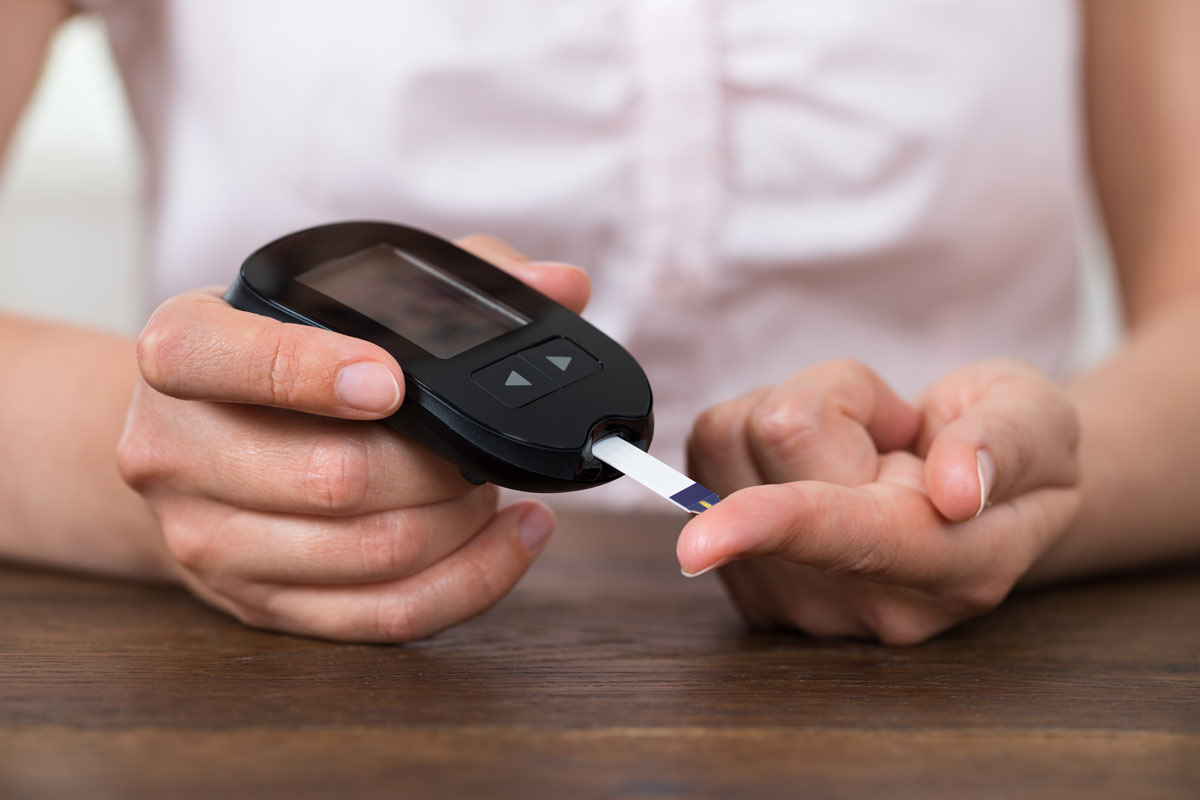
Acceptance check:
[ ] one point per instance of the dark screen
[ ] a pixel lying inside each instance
(415, 299)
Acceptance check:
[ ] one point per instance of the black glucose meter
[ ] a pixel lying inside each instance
(500, 380)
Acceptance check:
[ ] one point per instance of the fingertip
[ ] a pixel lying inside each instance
(958, 479)
(708, 540)
(491, 248)
(534, 523)
(691, 546)
(147, 354)
(159, 338)
(564, 283)
(745, 523)
(369, 388)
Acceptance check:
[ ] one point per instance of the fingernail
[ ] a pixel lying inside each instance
(709, 568)
(987, 477)
(367, 386)
(534, 527)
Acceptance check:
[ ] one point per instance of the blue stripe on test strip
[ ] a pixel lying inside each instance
(696, 498)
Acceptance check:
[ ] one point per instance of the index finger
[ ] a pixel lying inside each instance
(197, 347)
(878, 531)
(563, 283)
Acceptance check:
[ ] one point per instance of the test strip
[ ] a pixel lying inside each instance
(655, 475)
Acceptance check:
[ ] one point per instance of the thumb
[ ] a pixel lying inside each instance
(195, 347)
(1021, 434)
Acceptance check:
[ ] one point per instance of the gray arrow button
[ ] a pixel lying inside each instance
(562, 362)
(516, 379)
(513, 381)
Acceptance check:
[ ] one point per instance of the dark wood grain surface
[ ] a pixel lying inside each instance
(605, 673)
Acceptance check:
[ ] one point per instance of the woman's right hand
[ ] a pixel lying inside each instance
(318, 525)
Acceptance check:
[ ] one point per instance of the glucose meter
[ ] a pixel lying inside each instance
(500, 380)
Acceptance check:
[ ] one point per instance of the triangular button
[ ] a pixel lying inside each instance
(562, 362)
(516, 379)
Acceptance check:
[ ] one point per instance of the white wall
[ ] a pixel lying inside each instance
(70, 223)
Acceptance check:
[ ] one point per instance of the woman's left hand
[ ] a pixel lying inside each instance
(848, 512)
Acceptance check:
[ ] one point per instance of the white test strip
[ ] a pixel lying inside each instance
(655, 475)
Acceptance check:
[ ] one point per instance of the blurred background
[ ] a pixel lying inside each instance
(70, 213)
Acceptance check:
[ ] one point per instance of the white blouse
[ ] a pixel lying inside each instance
(754, 185)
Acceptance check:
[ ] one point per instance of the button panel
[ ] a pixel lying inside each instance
(563, 360)
(514, 382)
(534, 373)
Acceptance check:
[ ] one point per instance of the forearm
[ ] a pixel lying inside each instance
(1140, 453)
(62, 502)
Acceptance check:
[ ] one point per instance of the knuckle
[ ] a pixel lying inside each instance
(270, 608)
(822, 619)
(865, 561)
(486, 498)
(898, 625)
(253, 617)
(285, 373)
(481, 582)
(981, 596)
(1069, 428)
(139, 460)
(998, 370)
(849, 371)
(336, 475)
(1072, 427)
(144, 452)
(871, 554)
(906, 632)
(1024, 445)
(257, 610)
(392, 543)
(716, 431)
(793, 420)
(188, 544)
(396, 619)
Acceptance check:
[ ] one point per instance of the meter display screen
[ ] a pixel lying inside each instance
(413, 298)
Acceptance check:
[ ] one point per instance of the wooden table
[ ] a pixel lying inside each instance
(605, 674)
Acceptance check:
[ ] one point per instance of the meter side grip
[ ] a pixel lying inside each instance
(243, 298)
